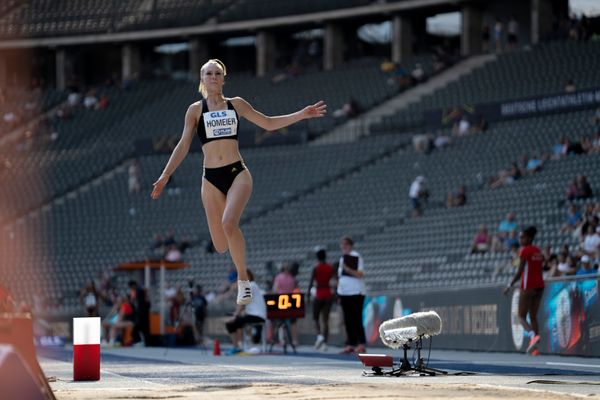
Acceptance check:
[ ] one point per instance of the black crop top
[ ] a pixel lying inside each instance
(217, 125)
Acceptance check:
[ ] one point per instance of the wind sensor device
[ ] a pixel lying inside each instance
(400, 333)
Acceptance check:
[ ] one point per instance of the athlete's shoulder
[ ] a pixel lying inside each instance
(196, 106)
(237, 101)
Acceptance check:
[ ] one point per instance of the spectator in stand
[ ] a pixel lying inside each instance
(422, 143)
(498, 32)
(156, 249)
(387, 66)
(513, 33)
(400, 78)
(551, 267)
(586, 267)
(462, 127)
(570, 86)
(571, 193)
(485, 38)
(74, 99)
(457, 199)
(89, 298)
(589, 217)
(173, 253)
(591, 242)
(480, 127)
(418, 74)
(481, 242)
(572, 263)
(442, 140)
(134, 176)
(441, 59)
(561, 149)
(535, 164)
(322, 275)
(507, 176)
(512, 240)
(586, 145)
(90, 100)
(102, 103)
(350, 109)
(584, 190)
(508, 224)
(596, 144)
(123, 321)
(418, 193)
(505, 228)
(573, 219)
(284, 281)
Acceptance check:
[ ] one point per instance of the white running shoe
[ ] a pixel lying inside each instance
(319, 342)
(244, 293)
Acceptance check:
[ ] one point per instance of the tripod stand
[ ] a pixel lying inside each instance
(378, 361)
(420, 367)
(285, 325)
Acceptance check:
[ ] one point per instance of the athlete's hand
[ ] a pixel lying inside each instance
(316, 110)
(159, 185)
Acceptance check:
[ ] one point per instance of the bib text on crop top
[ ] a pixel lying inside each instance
(217, 125)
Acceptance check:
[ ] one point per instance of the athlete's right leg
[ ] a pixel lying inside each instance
(325, 315)
(524, 306)
(214, 206)
(533, 311)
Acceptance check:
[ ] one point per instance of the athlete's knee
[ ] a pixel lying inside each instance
(221, 249)
(230, 226)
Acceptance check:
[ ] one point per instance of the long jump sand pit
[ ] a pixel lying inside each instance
(152, 373)
(384, 388)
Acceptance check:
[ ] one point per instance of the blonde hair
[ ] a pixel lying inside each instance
(202, 87)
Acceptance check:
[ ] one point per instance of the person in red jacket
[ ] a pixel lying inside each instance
(322, 275)
(531, 261)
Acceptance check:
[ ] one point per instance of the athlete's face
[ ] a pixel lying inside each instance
(213, 77)
(524, 240)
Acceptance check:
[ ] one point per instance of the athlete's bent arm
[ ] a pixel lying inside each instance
(245, 110)
(179, 153)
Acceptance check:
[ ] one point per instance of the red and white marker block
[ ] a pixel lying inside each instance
(86, 349)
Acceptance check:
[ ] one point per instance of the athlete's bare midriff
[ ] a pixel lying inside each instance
(221, 152)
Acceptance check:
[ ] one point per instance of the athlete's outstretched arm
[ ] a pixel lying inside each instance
(245, 110)
(179, 153)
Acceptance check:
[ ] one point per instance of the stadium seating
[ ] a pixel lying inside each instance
(542, 70)
(38, 18)
(297, 206)
(303, 196)
(93, 141)
(256, 9)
